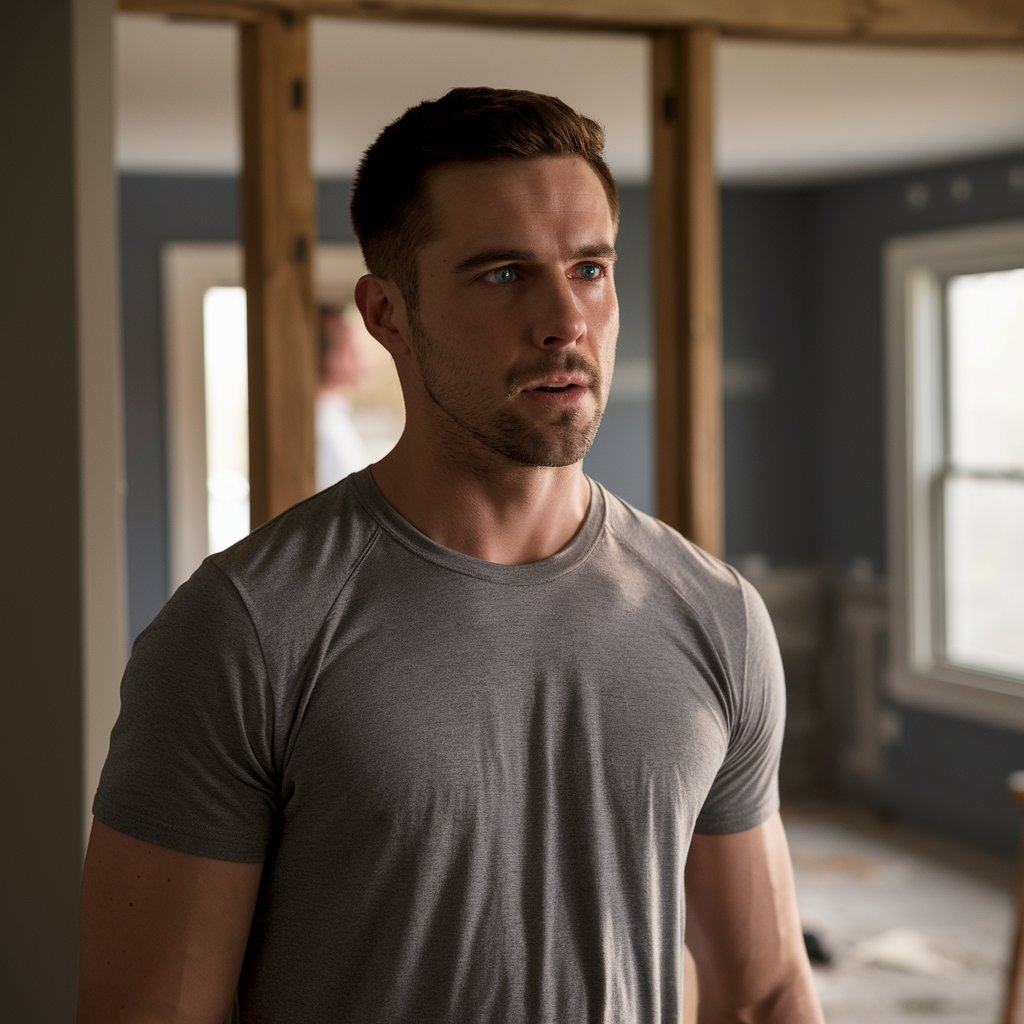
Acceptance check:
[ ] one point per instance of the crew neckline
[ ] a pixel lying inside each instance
(566, 560)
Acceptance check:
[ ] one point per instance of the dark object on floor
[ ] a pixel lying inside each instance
(817, 952)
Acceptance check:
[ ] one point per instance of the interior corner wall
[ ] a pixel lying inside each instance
(850, 223)
(802, 326)
(945, 773)
(42, 515)
(803, 338)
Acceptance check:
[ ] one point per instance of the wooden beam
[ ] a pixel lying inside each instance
(684, 205)
(199, 10)
(937, 23)
(280, 238)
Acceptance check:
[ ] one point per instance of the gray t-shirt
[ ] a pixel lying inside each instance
(473, 785)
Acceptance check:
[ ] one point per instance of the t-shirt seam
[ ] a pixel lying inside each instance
(718, 824)
(243, 597)
(308, 696)
(698, 618)
(247, 603)
(426, 556)
(149, 825)
(746, 645)
(756, 816)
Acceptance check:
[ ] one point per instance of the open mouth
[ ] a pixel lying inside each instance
(556, 390)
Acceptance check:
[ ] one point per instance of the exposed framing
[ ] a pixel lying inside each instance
(280, 239)
(688, 341)
(279, 222)
(947, 23)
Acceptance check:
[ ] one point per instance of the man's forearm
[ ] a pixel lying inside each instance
(795, 1001)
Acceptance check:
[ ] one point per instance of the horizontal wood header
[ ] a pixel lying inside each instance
(938, 23)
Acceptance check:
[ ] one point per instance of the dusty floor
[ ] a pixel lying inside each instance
(919, 927)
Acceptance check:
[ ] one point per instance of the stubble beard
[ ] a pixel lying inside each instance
(562, 441)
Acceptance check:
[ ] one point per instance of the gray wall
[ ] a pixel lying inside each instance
(771, 499)
(40, 581)
(58, 273)
(622, 457)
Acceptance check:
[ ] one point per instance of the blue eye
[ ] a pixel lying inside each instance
(502, 275)
(590, 271)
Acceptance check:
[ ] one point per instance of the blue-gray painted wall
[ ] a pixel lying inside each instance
(771, 493)
(804, 430)
(849, 226)
(945, 773)
(155, 211)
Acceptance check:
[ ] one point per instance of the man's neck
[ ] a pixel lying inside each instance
(508, 514)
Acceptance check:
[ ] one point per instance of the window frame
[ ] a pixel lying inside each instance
(916, 269)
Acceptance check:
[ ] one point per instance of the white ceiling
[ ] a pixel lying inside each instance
(786, 113)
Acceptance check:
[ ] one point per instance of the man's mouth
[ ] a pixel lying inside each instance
(553, 383)
(557, 394)
(568, 382)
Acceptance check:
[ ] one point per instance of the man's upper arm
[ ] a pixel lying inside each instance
(743, 929)
(163, 933)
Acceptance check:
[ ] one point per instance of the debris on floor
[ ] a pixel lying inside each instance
(918, 927)
(817, 951)
(900, 949)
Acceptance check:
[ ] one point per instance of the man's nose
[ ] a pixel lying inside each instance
(559, 317)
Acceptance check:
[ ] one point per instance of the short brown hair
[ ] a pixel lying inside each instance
(389, 210)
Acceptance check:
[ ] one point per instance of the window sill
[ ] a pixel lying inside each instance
(980, 697)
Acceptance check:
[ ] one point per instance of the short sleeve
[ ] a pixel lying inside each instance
(746, 789)
(190, 761)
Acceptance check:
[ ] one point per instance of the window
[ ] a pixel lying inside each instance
(956, 470)
(226, 393)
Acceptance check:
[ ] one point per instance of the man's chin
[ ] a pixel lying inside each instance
(548, 449)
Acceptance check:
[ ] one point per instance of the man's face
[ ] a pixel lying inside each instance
(516, 322)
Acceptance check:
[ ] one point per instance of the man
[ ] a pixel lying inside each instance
(436, 744)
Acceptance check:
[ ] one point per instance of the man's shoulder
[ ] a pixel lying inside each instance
(297, 560)
(696, 585)
(681, 562)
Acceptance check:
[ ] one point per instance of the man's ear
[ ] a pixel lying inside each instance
(383, 310)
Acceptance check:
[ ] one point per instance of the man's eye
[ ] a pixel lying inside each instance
(502, 275)
(589, 271)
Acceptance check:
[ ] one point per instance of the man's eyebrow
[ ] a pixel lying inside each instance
(596, 252)
(489, 257)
